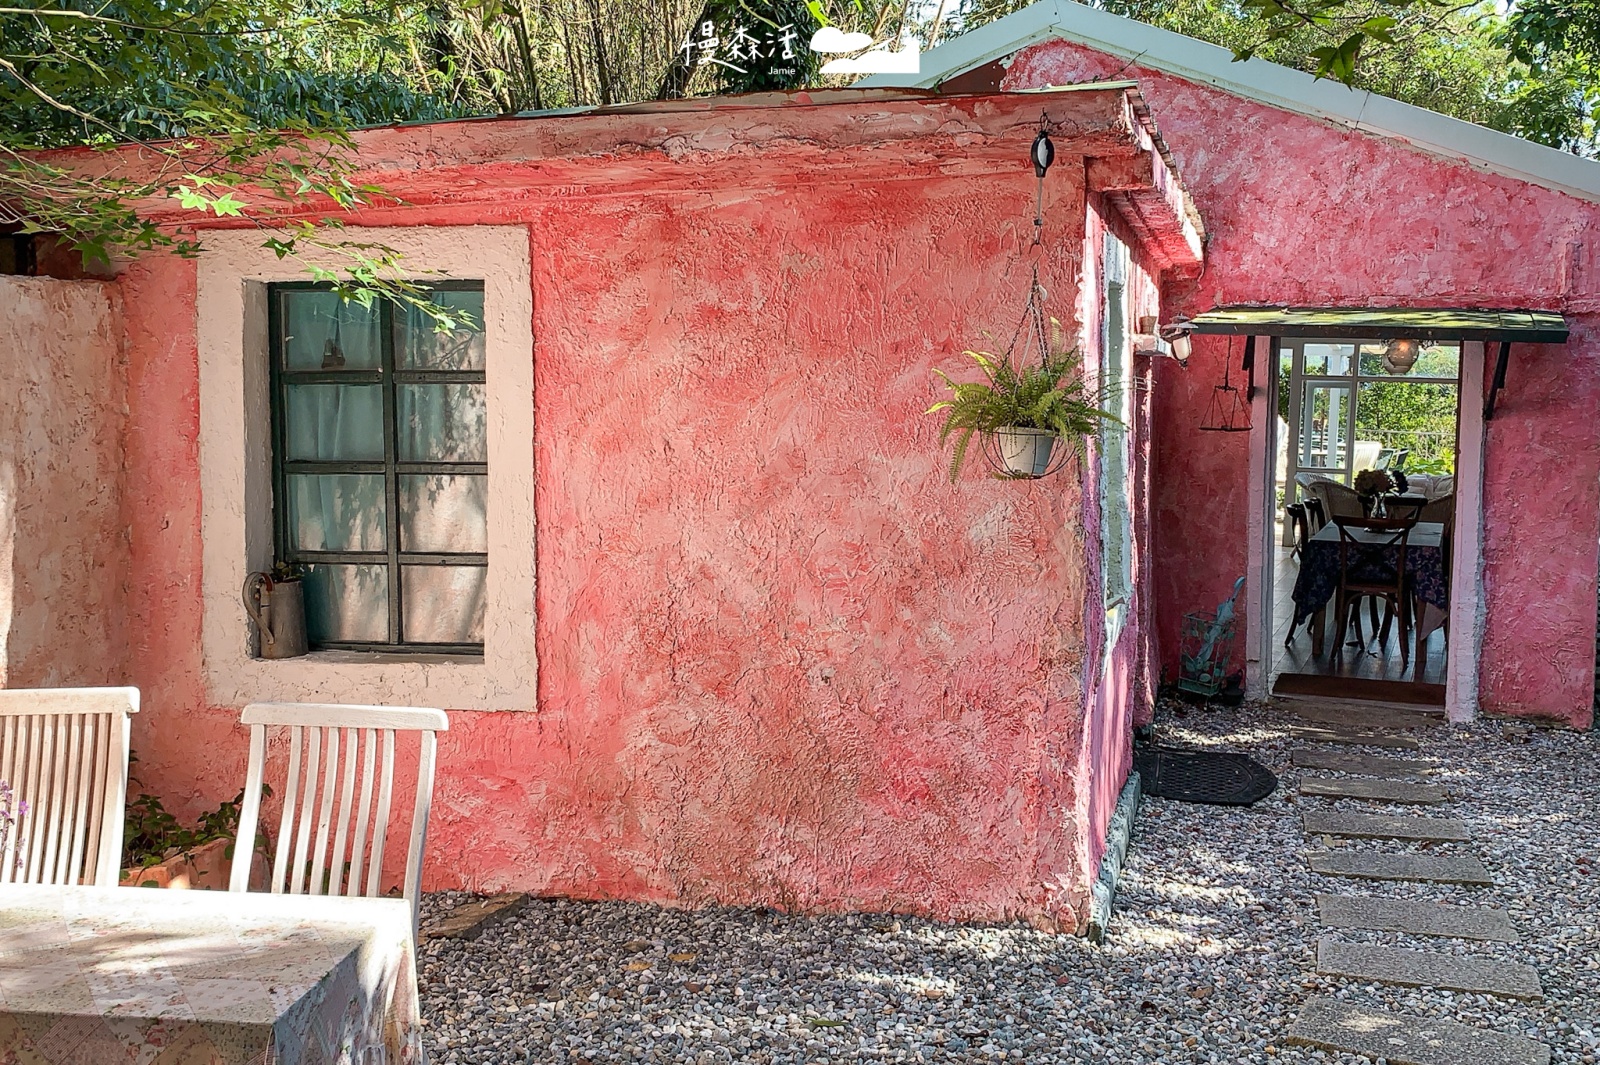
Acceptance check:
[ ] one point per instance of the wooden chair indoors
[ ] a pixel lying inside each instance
(64, 755)
(315, 732)
(1373, 567)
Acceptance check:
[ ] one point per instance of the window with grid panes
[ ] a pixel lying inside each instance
(380, 467)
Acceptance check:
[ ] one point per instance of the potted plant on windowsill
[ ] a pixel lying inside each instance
(1025, 414)
(276, 602)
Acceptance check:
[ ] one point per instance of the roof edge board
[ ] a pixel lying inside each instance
(1269, 83)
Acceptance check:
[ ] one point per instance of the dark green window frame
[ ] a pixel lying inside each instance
(391, 467)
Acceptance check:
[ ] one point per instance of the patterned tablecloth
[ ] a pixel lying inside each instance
(1319, 569)
(131, 976)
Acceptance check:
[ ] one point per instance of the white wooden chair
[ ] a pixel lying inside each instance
(64, 753)
(318, 734)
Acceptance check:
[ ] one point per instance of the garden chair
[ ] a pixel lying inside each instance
(318, 733)
(64, 755)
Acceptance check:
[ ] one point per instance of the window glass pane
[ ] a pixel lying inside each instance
(418, 345)
(444, 512)
(1328, 360)
(442, 423)
(347, 603)
(1324, 422)
(1412, 425)
(322, 332)
(335, 422)
(443, 604)
(336, 512)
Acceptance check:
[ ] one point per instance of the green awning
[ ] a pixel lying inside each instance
(1522, 327)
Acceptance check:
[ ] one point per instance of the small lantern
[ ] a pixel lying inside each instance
(1043, 153)
(1400, 355)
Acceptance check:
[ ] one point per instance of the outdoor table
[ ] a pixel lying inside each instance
(1318, 579)
(92, 976)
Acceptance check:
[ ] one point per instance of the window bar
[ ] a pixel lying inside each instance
(391, 479)
(284, 549)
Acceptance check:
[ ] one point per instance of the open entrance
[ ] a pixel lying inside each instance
(1363, 516)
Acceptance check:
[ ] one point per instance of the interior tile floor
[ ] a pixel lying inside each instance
(1370, 662)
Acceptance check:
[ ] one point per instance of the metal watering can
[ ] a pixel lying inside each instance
(279, 611)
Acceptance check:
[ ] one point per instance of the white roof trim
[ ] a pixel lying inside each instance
(1255, 79)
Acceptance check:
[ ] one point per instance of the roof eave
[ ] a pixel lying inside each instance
(1257, 79)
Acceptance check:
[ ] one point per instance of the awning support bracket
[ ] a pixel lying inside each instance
(1499, 381)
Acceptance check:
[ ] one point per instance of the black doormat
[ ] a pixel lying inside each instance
(1212, 777)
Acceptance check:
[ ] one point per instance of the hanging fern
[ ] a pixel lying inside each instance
(1050, 396)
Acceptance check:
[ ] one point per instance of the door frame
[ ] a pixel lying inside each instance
(1465, 639)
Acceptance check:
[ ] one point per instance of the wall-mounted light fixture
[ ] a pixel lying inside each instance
(1166, 341)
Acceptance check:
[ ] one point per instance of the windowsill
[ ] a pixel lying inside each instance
(382, 658)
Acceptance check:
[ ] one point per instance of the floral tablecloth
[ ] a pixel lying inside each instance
(135, 976)
(1319, 570)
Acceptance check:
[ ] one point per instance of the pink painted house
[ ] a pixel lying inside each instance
(671, 535)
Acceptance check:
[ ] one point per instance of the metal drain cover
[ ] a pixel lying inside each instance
(1217, 778)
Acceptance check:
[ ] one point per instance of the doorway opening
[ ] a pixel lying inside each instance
(1362, 513)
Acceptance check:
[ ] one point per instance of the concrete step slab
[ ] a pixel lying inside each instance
(1416, 917)
(1432, 868)
(1361, 718)
(1351, 738)
(1384, 826)
(1423, 968)
(1371, 790)
(1339, 1026)
(1366, 765)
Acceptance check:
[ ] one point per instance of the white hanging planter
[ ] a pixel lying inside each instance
(1025, 452)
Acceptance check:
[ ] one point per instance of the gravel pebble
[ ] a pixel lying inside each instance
(1208, 958)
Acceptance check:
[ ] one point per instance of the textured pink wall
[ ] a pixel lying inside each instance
(782, 660)
(1301, 212)
(63, 553)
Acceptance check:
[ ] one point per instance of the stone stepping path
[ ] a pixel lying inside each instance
(1372, 790)
(1339, 1026)
(1422, 968)
(1367, 765)
(1396, 1038)
(1385, 826)
(1373, 865)
(1352, 738)
(1415, 917)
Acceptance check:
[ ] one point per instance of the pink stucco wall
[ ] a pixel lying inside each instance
(63, 552)
(1300, 212)
(781, 659)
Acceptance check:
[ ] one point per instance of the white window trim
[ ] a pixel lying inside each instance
(1116, 580)
(236, 478)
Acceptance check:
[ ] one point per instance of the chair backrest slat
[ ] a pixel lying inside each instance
(351, 831)
(358, 849)
(347, 790)
(302, 839)
(380, 830)
(319, 855)
(280, 851)
(64, 754)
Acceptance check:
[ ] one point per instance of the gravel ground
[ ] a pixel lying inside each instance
(1208, 958)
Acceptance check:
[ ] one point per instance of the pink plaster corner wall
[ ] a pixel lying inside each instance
(1301, 212)
(63, 552)
(782, 660)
